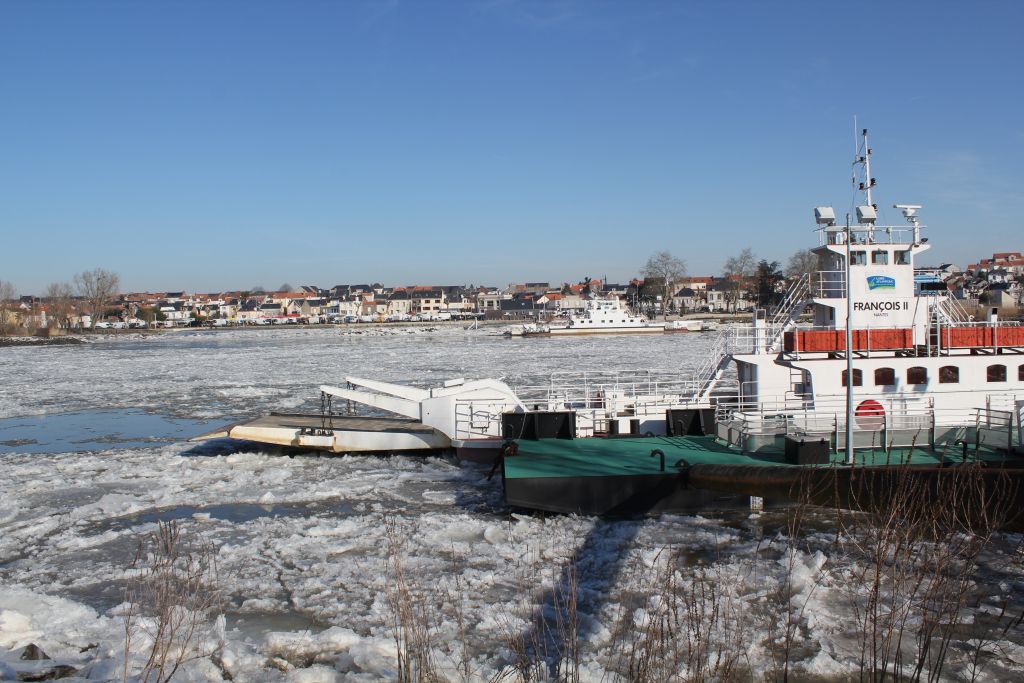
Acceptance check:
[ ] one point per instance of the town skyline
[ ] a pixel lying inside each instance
(96, 297)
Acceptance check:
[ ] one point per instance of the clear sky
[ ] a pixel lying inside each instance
(230, 144)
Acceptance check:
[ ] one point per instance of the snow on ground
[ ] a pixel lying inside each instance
(316, 555)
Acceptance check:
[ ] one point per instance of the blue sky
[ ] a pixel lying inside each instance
(215, 145)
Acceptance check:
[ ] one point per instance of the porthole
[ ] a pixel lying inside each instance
(996, 373)
(884, 377)
(917, 375)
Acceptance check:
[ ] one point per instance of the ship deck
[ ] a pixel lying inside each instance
(624, 476)
(632, 456)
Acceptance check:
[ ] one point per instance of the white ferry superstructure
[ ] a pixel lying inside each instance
(600, 316)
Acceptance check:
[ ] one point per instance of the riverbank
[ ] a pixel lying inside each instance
(39, 341)
(84, 336)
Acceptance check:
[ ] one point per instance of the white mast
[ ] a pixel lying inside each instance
(863, 158)
(869, 182)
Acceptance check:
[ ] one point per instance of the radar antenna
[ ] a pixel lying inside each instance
(910, 213)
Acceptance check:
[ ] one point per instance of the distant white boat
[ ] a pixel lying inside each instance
(601, 316)
(691, 325)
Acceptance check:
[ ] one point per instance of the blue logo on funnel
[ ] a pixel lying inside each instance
(881, 282)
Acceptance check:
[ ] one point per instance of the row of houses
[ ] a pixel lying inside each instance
(997, 282)
(517, 300)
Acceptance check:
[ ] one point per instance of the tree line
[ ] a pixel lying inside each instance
(743, 275)
(88, 293)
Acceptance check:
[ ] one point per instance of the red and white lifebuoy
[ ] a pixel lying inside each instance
(869, 415)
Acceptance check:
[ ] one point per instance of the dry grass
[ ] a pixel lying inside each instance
(172, 590)
(911, 567)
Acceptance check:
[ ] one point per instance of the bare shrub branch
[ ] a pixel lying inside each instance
(172, 590)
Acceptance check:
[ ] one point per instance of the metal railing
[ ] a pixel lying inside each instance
(793, 302)
(610, 390)
(480, 419)
(828, 284)
(903, 421)
(710, 370)
(885, 430)
(866, 235)
(993, 428)
(954, 311)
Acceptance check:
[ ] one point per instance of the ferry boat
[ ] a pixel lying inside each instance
(853, 367)
(601, 316)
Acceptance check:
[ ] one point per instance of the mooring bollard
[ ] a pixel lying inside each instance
(659, 452)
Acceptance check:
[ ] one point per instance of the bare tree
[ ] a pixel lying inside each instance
(801, 263)
(7, 295)
(665, 269)
(96, 287)
(60, 299)
(286, 287)
(738, 272)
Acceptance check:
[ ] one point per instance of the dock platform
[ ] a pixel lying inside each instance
(335, 433)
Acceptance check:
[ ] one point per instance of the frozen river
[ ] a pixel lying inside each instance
(317, 555)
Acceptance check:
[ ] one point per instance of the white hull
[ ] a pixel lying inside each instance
(566, 331)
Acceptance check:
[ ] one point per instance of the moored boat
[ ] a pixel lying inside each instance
(691, 325)
(601, 316)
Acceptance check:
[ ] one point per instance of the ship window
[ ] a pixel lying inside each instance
(917, 375)
(902, 257)
(1020, 373)
(885, 377)
(949, 374)
(880, 257)
(858, 378)
(858, 258)
(997, 373)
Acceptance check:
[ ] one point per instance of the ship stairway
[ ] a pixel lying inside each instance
(781, 319)
(951, 312)
(785, 315)
(713, 367)
(945, 312)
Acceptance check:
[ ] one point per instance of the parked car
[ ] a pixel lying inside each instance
(101, 325)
